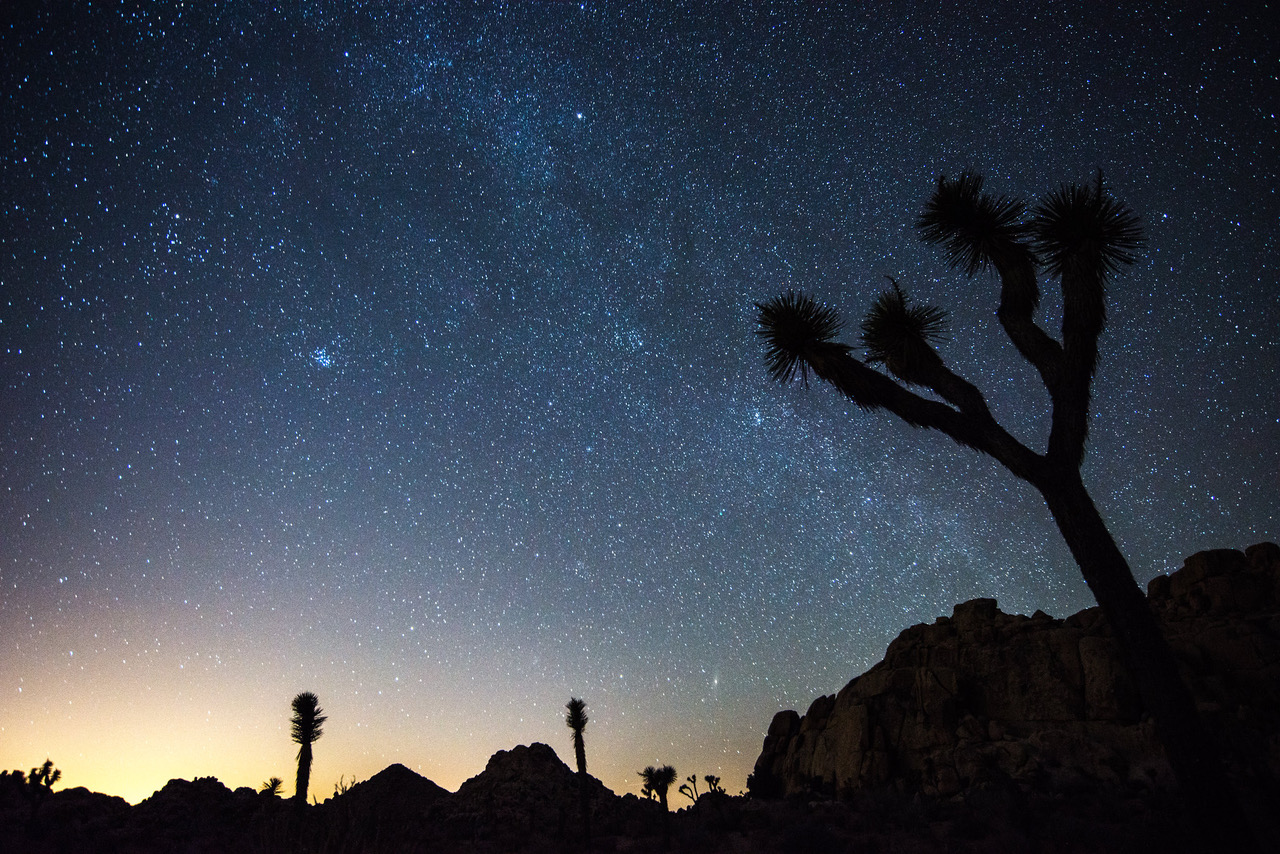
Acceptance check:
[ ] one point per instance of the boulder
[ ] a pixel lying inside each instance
(983, 696)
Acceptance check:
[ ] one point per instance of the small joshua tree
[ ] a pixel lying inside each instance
(271, 787)
(646, 777)
(42, 779)
(663, 777)
(689, 788)
(576, 719)
(308, 726)
(713, 783)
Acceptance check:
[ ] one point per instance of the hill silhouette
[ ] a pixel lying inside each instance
(982, 732)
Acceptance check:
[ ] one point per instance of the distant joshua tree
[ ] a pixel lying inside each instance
(271, 787)
(646, 777)
(713, 783)
(689, 788)
(44, 777)
(576, 719)
(658, 780)
(308, 726)
(1081, 236)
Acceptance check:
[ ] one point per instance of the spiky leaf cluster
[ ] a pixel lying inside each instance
(576, 715)
(974, 228)
(308, 718)
(897, 334)
(792, 325)
(1082, 229)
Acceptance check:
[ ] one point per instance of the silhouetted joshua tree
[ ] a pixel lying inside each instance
(308, 725)
(42, 779)
(690, 793)
(1081, 236)
(646, 776)
(38, 783)
(271, 787)
(576, 719)
(659, 780)
(713, 783)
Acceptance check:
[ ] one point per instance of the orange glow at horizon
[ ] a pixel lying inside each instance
(125, 727)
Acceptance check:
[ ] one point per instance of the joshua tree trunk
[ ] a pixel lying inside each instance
(1150, 661)
(304, 773)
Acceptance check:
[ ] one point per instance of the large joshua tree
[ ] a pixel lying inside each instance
(1081, 236)
(308, 726)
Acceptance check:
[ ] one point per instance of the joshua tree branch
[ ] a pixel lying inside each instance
(1082, 322)
(957, 391)
(870, 389)
(1019, 296)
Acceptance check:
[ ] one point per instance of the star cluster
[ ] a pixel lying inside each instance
(404, 353)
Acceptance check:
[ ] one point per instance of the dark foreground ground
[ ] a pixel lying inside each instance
(398, 811)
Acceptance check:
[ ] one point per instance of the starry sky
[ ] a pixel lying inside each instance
(404, 353)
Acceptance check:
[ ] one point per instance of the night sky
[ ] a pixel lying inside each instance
(405, 353)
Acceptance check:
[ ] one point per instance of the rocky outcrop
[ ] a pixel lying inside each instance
(390, 811)
(528, 792)
(984, 696)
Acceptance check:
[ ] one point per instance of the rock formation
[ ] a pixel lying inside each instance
(986, 696)
(528, 792)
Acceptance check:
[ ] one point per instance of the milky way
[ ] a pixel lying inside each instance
(405, 354)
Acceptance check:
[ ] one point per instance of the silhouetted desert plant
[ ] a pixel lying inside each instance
(662, 779)
(271, 787)
(1081, 236)
(342, 786)
(307, 727)
(646, 777)
(689, 788)
(576, 719)
(44, 777)
(713, 783)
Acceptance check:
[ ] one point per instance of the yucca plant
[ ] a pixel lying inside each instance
(307, 727)
(44, 777)
(657, 779)
(663, 777)
(576, 719)
(646, 779)
(1082, 236)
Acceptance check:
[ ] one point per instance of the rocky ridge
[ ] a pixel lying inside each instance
(984, 696)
